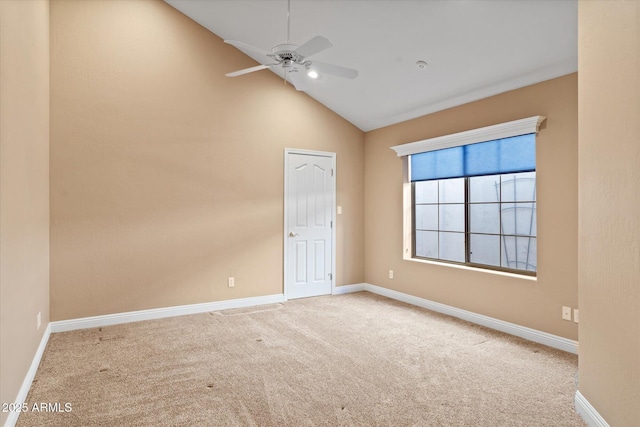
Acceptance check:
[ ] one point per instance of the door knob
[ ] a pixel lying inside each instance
(292, 234)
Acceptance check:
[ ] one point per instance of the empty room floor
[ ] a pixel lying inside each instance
(350, 360)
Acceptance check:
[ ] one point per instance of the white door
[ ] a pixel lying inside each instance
(309, 202)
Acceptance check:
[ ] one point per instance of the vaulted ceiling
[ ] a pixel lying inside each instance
(473, 49)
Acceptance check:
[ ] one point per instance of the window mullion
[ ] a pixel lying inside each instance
(467, 214)
(438, 233)
(413, 219)
(502, 236)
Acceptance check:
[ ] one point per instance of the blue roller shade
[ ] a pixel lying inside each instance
(515, 154)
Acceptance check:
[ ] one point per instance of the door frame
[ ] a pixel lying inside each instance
(285, 237)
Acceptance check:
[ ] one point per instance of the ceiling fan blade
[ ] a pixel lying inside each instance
(313, 46)
(248, 70)
(245, 46)
(298, 79)
(335, 70)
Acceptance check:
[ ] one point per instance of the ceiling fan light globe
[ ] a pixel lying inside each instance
(313, 74)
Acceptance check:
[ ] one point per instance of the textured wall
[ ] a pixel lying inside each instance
(609, 203)
(24, 188)
(535, 304)
(167, 176)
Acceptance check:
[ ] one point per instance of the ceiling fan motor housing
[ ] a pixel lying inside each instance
(286, 53)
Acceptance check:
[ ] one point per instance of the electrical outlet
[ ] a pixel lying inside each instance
(232, 282)
(566, 313)
(390, 274)
(576, 317)
(39, 320)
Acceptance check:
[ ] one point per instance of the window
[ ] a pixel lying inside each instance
(488, 221)
(470, 198)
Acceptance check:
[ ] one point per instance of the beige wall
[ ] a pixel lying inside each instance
(167, 176)
(609, 203)
(24, 188)
(533, 304)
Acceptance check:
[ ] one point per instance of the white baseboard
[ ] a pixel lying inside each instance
(547, 339)
(159, 313)
(588, 412)
(12, 419)
(347, 289)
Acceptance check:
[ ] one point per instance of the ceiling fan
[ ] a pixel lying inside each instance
(294, 60)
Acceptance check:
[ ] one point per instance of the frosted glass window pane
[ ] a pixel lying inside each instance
(426, 217)
(484, 188)
(508, 215)
(519, 187)
(452, 247)
(452, 190)
(519, 218)
(484, 218)
(426, 192)
(526, 218)
(519, 252)
(484, 249)
(427, 244)
(531, 246)
(534, 226)
(452, 217)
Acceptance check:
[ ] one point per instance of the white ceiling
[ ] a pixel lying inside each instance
(474, 49)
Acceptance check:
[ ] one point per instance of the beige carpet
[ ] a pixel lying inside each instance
(350, 360)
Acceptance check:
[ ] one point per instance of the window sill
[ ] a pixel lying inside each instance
(480, 270)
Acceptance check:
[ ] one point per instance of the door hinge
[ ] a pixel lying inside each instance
(330, 276)
(331, 172)
(330, 224)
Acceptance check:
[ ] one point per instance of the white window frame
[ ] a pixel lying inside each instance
(488, 133)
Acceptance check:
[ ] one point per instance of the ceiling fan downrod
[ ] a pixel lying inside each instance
(288, 21)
